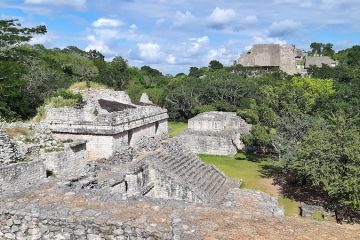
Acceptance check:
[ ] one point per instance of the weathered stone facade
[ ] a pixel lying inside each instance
(23, 175)
(216, 133)
(107, 120)
(285, 57)
(8, 151)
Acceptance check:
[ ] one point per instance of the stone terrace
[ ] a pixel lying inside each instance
(50, 213)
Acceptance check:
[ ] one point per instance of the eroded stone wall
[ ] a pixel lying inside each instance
(17, 225)
(19, 176)
(287, 59)
(103, 146)
(209, 144)
(98, 146)
(70, 162)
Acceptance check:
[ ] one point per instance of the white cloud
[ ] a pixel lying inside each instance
(133, 28)
(219, 17)
(103, 40)
(284, 28)
(181, 18)
(72, 3)
(251, 19)
(264, 39)
(107, 22)
(196, 44)
(40, 39)
(149, 51)
(98, 44)
(171, 59)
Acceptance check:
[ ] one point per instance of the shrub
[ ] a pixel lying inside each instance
(41, 114)
(68, 94)
(203, 108)
(58, 102)
(86, 85)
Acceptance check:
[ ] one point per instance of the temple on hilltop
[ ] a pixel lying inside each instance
(284, 57)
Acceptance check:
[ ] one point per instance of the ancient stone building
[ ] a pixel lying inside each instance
(215, 133)
(108, 120)
(284, 57)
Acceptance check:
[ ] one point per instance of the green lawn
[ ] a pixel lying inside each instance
(176, 127)
(248, 168)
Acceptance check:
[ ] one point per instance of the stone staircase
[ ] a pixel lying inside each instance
(206, 181)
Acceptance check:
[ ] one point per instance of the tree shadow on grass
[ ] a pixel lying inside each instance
(289, 187)
(251, 157)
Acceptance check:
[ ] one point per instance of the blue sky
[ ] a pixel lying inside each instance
(174, 35)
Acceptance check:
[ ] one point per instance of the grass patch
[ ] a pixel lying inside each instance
(85, 85)
(318, 215)
(176, 127)
(17, 131)
(58, 102)
(41, 114)
(249, 168)
(290, 206)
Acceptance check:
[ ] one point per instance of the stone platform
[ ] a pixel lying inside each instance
(216, 133)
(49, 212)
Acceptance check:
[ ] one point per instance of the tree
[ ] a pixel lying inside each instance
(322, 49)
(260, 139)
(11, 32)
(329, 158)
(316, 48)
(311, 89)
(14, 102)
(195, 72)
(328, 50)
(215, 65)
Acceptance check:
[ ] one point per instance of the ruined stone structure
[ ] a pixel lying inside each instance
(8, 151)
(284, 57)
(107, 120)
(216, 133)
(18, 174)
(148, 186)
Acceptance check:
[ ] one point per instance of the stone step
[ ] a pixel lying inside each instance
(190, 167)
(168, 160)
(177, 163)
(205, 176)
(215, 191)
(216, 185)
(199, 174)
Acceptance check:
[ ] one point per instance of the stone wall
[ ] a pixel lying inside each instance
(17, 225)
(215, 144)
(19, 176)
(137, 133)
(217, 121)
(263, 55)
(287, 59)
(98, 146)
(103, 146)
(70, 162)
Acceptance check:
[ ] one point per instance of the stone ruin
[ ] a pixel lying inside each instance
(8, 152)
(107, 120)
(216, 133)
(107, 169)
(284, 57)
